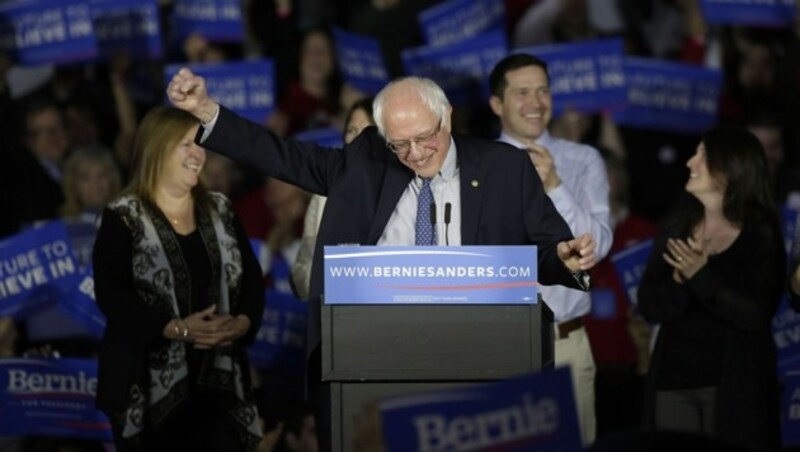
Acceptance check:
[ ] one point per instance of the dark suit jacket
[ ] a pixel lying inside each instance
(502, 198)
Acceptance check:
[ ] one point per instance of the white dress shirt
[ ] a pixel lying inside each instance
(446, 187)
(582, 200)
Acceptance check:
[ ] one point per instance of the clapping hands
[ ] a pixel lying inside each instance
(686, 257)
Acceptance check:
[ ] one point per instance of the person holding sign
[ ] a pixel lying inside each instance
(575, 180)
(374, 183)
(182, 292)
(714, 282)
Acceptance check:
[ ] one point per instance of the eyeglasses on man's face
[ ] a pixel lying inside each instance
(403, 147)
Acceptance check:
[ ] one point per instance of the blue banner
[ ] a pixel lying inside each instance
(790, 409)
(76, 313)
(246, 87)
(51, 397)
(786, 332)
(81, 307)
(630, 264)
(360, 61)
(453, 21)
(761, 13)
(462, 69)
(585, 76)
(130, 27)
(604, 304)
(36, 266)
(430, 274)
(281, 340)
(82, 235)
(47, 31)
(215, 20)
(668, 96)
(329, 137)
(533, 412)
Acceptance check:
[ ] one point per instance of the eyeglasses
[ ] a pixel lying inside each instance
(404, 147)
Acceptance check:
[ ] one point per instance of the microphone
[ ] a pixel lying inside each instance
(447, 207)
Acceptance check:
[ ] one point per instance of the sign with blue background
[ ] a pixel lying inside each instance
(281, 339)
(461, 69)
(585, 76)
(630, 264)
(790, 409)
(533, 412)
(360, 61)
(47, 31)
(786, 333)
(130, 27)
(51, 397)
(430, 274)
(669, 96)
(764, 13)
(215, 20)
(453, 21)
(36, 266)
(246, 87)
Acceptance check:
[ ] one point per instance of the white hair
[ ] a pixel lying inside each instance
(429, 92)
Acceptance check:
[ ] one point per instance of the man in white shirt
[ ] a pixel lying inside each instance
(575, 180)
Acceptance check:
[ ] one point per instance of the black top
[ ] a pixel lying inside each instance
(716, 330)
(133, 328)
(196, 258)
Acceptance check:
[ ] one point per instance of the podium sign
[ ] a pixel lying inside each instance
(430, 275)
(400, 320)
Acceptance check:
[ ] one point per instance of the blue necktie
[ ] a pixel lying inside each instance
(425, 232)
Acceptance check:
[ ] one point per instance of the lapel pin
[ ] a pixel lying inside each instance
(474, 183)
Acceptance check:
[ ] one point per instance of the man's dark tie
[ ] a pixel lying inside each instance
(424, 229)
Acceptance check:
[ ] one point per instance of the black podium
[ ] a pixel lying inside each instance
(370, 352)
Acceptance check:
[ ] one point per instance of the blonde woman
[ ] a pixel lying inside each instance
(183, 295)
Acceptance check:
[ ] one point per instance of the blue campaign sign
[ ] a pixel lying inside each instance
(630, 264)
(453, 21)
(430, 274)
(533, 412)
(329, 137)
(36, 266)
(130, 27)
(790, 409)
(281, 339)
(215, 20)
(361, 61)
(764, 13)
(604, 304)
(246, 87)
(461, 69)
(670, 96)
(786, 333)
(81, 307)
(51, 397)
(585, 76)
(47, 31)
(82, 234)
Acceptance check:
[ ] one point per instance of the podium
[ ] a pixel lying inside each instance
(370, 352)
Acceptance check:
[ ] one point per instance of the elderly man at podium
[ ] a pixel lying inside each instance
(410, 181)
